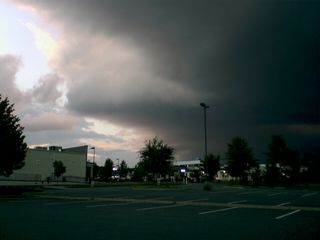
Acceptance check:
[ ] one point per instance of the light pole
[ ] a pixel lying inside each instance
(205, 128)
(93, 157)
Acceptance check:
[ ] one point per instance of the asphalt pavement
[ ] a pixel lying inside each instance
(186, 212)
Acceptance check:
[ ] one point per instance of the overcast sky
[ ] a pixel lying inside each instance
(112, 74)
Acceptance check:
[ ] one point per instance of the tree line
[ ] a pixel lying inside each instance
(283, 164)
(109, 171)
(155, 159)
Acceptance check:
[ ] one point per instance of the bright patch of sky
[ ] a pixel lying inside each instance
(21, 36)
(102, 127)
(121, 138)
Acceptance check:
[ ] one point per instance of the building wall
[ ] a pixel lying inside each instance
(39, 164)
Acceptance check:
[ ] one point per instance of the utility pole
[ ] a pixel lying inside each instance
(205, 129)
(93, 158)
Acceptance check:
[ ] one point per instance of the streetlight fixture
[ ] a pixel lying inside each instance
(93, 158)
(205, 128)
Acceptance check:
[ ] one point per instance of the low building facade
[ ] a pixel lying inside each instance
(39, 164)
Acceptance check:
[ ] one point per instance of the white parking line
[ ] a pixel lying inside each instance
(98, 205)
(290, 213)
(225, 191)
(195, 200)
(244, 193)
(27, 200)
(250, 192)
(125, 196)
(181, 203)
(124, 203)
(309, 194)
(219, 210)
(63, 203)
(160, 207)
(160, 198)
(241, 201)
(111, 205)
(274, 194)
(283, 204)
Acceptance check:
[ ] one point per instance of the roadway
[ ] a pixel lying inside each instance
(187, 212)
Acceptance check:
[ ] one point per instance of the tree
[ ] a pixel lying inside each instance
(291, 165)
(123, 169)
(276, 152)
(12, 146)
(311, 164)
(156, 156)
(97, 171)
(256, 175)
(283, 163)
(107, 169)
(240, 158)
(59, 168)
(139, 171)
(211, 165)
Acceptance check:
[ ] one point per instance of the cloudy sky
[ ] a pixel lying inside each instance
(112, 74)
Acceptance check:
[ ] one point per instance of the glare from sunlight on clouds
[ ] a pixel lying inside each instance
(44, 41)
(18, 40)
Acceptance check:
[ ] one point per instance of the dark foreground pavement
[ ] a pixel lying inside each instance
(186, 212)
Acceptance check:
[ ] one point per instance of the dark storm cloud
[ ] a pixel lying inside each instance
(277, 62)
(47, 88)
(256, 62)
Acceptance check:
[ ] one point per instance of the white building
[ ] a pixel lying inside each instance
(39, 164)
(191, 164)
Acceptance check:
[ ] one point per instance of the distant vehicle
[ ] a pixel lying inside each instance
(121, 179)
(192, 179)
(115, 177)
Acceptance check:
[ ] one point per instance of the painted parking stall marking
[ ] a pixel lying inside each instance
(225, 191)
(98, 205)
(179, 204)
(309, 194)
(240, 201)
(113, 204)
(110, 205)
(283, 204)
(252, 192)
(249, 192)
(274, 194)
(288, 214)
(172, 203)
(219, 210)
(160, 207)
(162, 198)
(196, 200)
(64, 203)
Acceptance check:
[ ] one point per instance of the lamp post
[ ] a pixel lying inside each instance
(205, 128)
(93, 157)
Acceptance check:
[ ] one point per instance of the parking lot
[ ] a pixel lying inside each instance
(187, 212)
